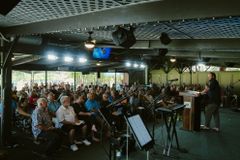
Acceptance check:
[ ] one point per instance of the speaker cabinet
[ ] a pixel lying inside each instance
(123, 37)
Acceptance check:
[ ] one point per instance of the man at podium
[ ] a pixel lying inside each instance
(213, 93)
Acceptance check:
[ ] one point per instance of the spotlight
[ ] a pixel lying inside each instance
(68, 59)
(135, 65)
(165, 39)
(82, 60)
(52, 57)
(142, 65)
(128, 64)
(89, 44)
(173, 59)
(13, 58)
(98, 64)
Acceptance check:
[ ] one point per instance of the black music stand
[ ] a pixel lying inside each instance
(140, 132)
(171, 127)
(112, 144)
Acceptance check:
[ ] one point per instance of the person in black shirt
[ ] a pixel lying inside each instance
(83, 114)
(213, 93)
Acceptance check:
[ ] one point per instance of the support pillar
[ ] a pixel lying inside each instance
(166, 69)
(180, 69)
(115, 76)
(190, 71)
(46, 79)
(146, 72)
(75, 81)
(6, 74)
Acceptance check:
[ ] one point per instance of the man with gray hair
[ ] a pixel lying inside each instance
(42, 126)
(69, 123)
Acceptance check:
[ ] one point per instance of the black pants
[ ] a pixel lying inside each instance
(212, 110)
(54, 140)
(89, 121)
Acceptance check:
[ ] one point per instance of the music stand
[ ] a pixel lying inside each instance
(140, 132)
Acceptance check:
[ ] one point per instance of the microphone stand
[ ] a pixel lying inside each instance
(152, 106)
(113, 141)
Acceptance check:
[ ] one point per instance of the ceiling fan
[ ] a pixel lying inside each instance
(90, 43)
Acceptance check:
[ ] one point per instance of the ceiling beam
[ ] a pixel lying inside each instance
(147, 12)
(199, 55)
(26, 60)
(192, 45)
(146, 47)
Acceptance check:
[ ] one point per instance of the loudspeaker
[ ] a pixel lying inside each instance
(98, 75)
(7, 5)
(123, 37)
(164, 38)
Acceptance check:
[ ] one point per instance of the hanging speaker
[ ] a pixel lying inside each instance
(165, 39)
(7, 5)
(123, 37)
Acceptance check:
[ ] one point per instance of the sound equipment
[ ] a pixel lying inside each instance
(170, 114)
(164, 38)
(7, 5)
(123, 37)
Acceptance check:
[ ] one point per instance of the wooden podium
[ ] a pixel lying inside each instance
(192, 111)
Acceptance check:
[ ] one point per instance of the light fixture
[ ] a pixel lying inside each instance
(52, 57)
(135, 65)
(173, 59)
(82, 60)
(89, 44)
(68, 59)
(142, 65)
(128, 64)
(13, 58)
(98, 64)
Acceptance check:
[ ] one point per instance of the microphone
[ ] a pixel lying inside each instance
(176, 79)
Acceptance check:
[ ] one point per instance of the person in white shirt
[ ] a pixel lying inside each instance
(68, 122)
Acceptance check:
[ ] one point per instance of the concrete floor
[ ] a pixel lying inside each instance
(204, 145)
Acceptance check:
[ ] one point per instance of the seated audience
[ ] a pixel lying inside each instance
(42, 126)
(53, 105)
(69, 123)
(87, 117)
(91, 104)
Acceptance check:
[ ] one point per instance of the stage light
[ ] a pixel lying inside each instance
(82, 60)
(68, 59)
(89, 44)
(128, 64)
(142, 65)
(135, 65)
(173, 59)
(52, 57)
